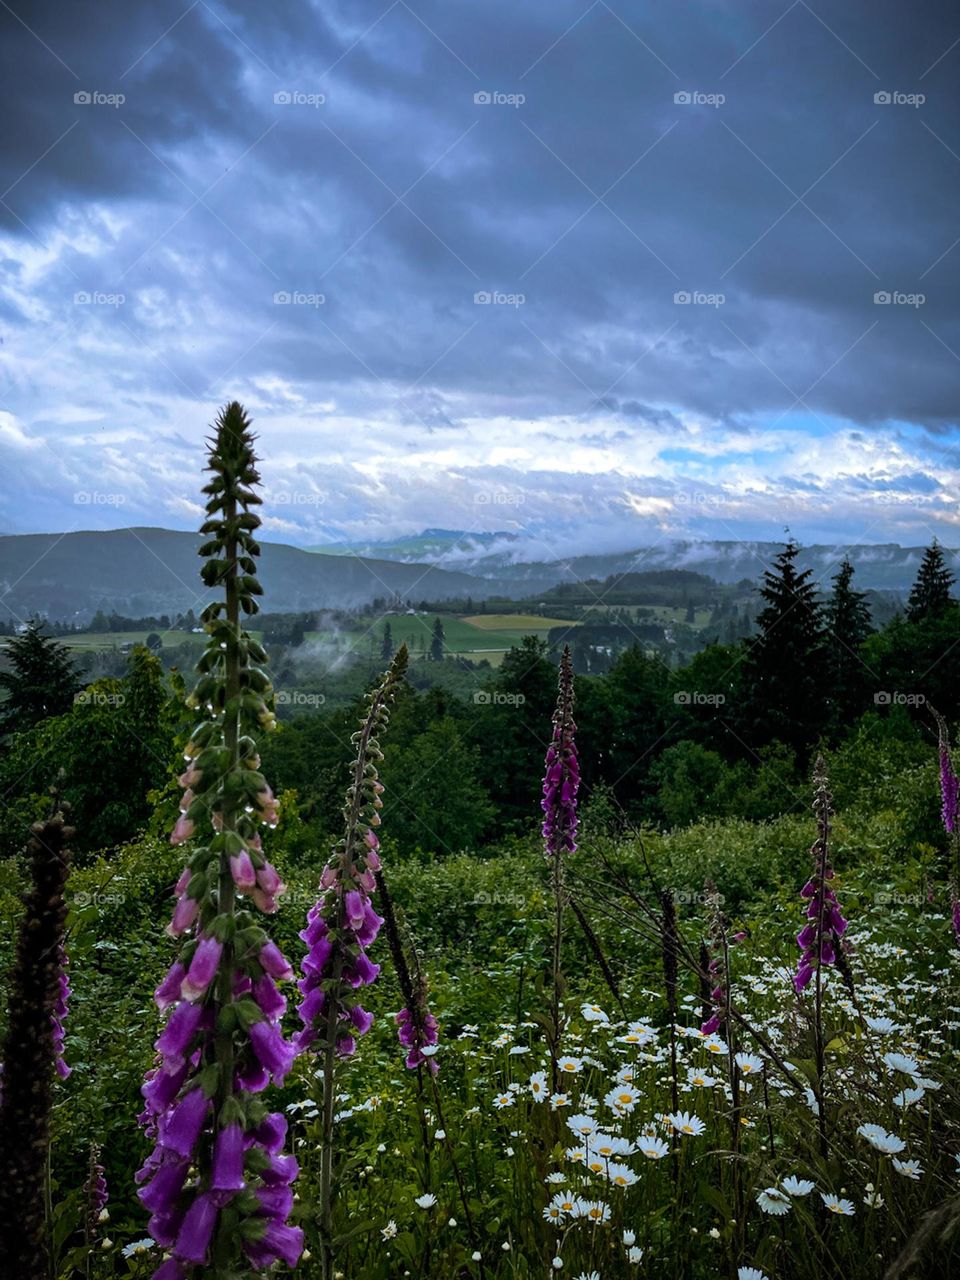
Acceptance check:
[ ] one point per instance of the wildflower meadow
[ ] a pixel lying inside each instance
(597, 1050)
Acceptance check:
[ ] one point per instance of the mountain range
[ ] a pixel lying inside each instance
(142, 571)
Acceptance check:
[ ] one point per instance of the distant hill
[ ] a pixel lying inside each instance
(882, 567)
(149, 571)
(430, 545)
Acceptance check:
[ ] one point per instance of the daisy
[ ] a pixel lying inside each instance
(503, 1100)
(557, 1179)
(909, 1168)
(773, 1202)
(750, 1273)
(622, 1100)
(748, 1063)
(389, 1231)
(634, 1254)
(570, 1064)
(655, 1148)
(597, 1211)
(589, 1275)
(553, 1212)
(559, 1100)
(714, 1044)
(607, 1145)
(843, 1207)
(593, 1013)
(874, 1200)
(683, 1122)
(699, 1079)
(901, 1062)
(908, 1097)
(582, 1125)
(621, 1176)
(564, 1203)
(883, 1025)
(538, 1086)
(796, 1186)
(878, 1137)
(426, 1201)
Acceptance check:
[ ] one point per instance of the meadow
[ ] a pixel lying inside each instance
(588, 1046)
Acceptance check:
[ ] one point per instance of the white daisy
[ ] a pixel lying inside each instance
(842, 1207)
(878, 1137)
(909, 1168)
(796, 1186)
(748, 1063)
(426, 1201)
(774, 1202)
(683, 1122)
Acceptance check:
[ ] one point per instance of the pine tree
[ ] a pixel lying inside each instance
(784, 663)
(41, 682)
(847, 625)
(437, 641)
(386, 649)
(930, 595)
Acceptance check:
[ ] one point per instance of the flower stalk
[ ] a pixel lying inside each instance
(31, 1053)
(341, 925)
(561, 783)
(216, 1184)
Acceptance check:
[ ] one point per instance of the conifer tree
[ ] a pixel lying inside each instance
(437, 641)
(41, 682)
(784, 663)
(930, 595)
(846, 624)
(386, 649)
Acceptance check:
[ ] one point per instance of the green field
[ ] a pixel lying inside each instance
(486, 636)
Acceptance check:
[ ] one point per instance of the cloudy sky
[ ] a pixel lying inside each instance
(600, 274)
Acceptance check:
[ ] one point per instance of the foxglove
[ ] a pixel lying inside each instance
(216, 1185)
(340, 927)
(30, 1052)
(821, 939)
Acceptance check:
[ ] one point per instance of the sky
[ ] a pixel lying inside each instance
(598, 275)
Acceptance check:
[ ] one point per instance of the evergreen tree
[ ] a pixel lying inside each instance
(41, 682)
(784, 663)
(436, 641)
(930, 595)
(386, 649)
(847, 624)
